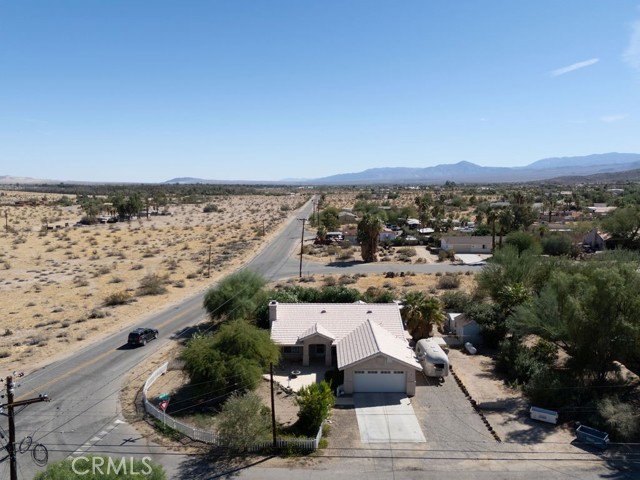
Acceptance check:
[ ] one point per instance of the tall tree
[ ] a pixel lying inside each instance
(590, 309)
(369, 229)
(505, 221)
(423, 203)
(421, 313)
(492, 217)
(236, 296)
(624, 226)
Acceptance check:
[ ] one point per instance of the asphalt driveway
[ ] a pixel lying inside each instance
(386, 418)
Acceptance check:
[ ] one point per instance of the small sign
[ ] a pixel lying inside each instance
(163, 396)
(164, 404)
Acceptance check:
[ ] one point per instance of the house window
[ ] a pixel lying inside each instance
(358, 371)
(372, 371)
(398, 371)
(291, 350)
(385, 371)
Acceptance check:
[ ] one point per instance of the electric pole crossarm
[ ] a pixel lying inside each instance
(10, 405)
(28, 401)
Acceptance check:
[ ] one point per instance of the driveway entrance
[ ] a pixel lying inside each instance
(386, 418)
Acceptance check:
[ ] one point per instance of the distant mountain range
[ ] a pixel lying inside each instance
(592, 168)
(467, 172)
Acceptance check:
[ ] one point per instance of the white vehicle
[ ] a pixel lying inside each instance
(434, 361)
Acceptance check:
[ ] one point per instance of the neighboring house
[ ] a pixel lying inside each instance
(388, 234)
(464, 244)
(465, 329)
(347, 217)
(601, 209)
(595, 239)
(365, 341)
(351, 235)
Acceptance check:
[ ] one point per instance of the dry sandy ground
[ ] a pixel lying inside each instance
(54, 282)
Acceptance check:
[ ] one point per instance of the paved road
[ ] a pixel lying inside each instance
(84, 415)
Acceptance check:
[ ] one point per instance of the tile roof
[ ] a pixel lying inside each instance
(316, 329)
(370, 339)
(294, 320)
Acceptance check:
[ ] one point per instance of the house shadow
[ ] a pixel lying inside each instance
(367, 400)
(345, 263)
(217, 464)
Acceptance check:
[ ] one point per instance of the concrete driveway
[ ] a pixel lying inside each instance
(386, 418)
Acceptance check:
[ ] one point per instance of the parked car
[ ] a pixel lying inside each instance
(140, 336)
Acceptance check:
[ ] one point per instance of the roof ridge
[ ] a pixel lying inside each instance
(374, 334)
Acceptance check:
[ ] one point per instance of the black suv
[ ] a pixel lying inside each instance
(140, 336)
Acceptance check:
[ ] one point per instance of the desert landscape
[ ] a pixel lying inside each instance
(64, 285)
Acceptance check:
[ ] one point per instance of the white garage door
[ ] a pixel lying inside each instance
(379, 381)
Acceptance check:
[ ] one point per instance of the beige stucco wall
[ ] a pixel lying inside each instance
(380, 362)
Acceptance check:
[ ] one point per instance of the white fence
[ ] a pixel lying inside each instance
(308, 444)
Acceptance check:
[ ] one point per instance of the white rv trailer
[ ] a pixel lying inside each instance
(434, 361)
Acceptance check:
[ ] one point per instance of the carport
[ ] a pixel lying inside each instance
(386, 418)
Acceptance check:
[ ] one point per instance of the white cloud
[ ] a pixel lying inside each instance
(613, 118)
(631, 55)
(573, 67)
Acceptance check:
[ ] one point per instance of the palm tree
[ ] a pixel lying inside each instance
(423, 203)
(492, 216)
(369, 229)
(421, 313)
(505, 219)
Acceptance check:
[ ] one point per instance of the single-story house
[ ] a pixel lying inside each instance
(600, 209)
(346, 216)
(465, 244)
(365, 341)
(466, 329)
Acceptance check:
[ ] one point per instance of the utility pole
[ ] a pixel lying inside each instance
(302, 243)
(10, 405)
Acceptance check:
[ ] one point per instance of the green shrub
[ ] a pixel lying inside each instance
(210, 207)
(315, 402)
(556, 244)
(244, 421)
(620, 419)
(456, 301)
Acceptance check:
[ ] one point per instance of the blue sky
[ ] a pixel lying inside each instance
(145, 91)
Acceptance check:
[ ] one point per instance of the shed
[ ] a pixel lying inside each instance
(465, 329)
